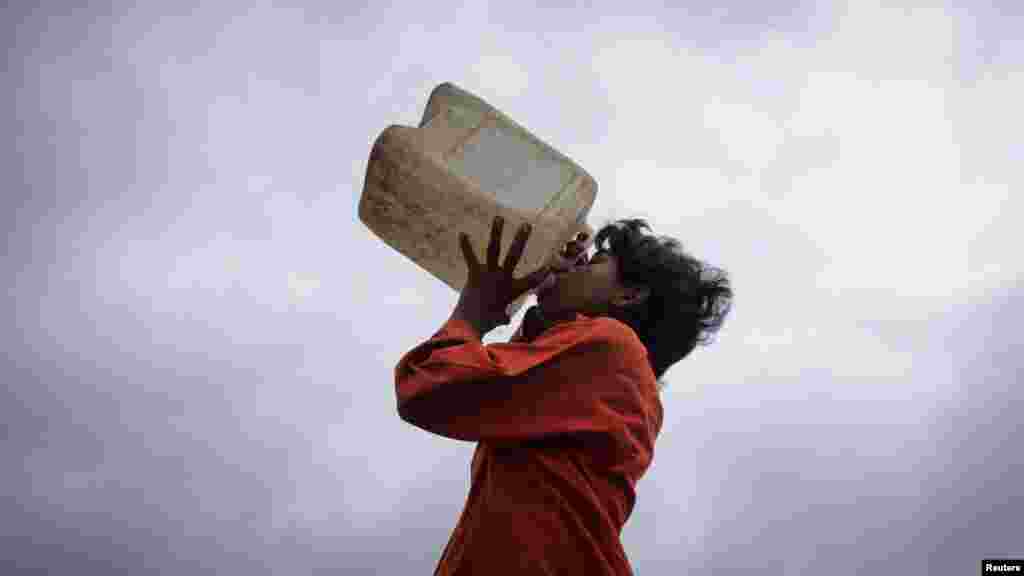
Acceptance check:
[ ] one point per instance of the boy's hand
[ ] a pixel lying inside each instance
(490, 288)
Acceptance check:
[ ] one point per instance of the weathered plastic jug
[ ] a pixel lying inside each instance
(466, 163)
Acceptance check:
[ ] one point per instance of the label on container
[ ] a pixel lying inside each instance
(511, 167)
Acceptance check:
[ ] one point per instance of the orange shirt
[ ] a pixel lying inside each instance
(564, 427)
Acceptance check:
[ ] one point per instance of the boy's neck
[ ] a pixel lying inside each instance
(535, 322)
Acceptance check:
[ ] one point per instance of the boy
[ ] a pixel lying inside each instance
(566, 414)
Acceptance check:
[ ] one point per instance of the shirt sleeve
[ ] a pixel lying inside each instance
(577, 376)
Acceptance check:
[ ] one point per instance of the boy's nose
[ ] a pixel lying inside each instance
(570, 253)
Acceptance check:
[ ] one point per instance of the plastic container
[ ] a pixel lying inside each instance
(466, 163)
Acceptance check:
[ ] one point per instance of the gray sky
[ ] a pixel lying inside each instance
(199, 335)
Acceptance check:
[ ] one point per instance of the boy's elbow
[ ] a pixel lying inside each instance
(406, 413)
(408, 404)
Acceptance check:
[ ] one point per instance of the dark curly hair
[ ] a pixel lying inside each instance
(688, 300)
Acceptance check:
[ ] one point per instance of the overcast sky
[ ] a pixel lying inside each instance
(199, 335)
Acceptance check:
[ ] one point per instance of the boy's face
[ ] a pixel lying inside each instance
(588, 288)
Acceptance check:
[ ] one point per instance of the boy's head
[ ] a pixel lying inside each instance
(670, 299)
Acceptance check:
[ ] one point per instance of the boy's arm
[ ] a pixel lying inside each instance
(456, 386)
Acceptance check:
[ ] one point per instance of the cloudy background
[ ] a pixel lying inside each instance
(199, 335)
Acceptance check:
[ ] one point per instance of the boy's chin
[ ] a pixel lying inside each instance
(545, 302)
(551, 312)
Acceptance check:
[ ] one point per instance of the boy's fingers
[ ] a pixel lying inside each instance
(467, 253)
(515, 252)
(494, 248)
